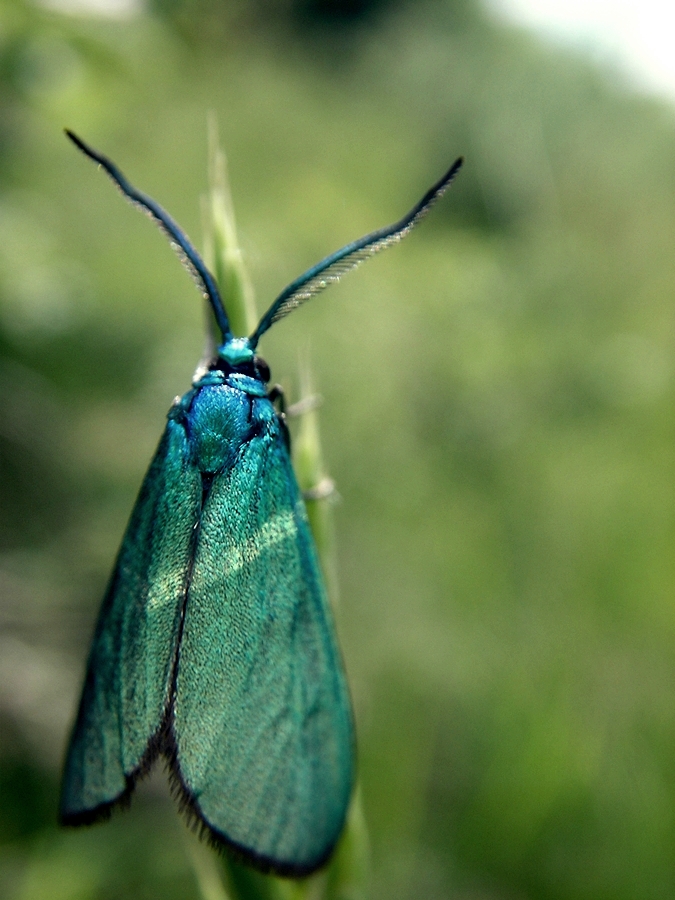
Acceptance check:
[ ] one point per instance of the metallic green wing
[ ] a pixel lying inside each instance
(262, 720)
(131, 663)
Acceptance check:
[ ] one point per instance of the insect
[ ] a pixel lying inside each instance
(215, 646)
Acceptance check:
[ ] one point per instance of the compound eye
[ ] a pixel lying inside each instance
(262, 369)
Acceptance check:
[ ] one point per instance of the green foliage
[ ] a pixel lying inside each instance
(498, 419)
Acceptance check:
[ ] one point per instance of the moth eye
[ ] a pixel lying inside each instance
(262, 369)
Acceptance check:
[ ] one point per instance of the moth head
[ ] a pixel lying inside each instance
(236, 351)
(238, 354)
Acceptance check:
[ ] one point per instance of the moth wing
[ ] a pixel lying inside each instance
(262, 717)
(131, 662)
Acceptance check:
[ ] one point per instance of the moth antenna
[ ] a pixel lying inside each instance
(333, 267)
(178, 239)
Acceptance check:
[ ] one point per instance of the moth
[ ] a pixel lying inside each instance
(215, 646)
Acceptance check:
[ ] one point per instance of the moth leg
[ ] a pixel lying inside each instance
(276, 395)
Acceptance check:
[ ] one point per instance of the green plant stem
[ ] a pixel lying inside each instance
(346, 876)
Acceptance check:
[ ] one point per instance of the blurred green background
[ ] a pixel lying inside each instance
(498, 418)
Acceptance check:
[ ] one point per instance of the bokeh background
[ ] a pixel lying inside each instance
(498, 417)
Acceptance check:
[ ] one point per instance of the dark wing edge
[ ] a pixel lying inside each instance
(104, 811)
(333, 267)
(188, 807)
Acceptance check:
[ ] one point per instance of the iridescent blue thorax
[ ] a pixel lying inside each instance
(224, 409)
